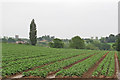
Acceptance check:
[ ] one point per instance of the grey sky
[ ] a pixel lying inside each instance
(61, 18)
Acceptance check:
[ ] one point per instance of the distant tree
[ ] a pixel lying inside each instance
(114, 46)
(19, 40)
(102, 46)
(77, 43)
(51, 44)
(107, 39)
(4, 40)
(88, 40)
(110, 39)
(52, 37)
(46, 37)
(105, 46)
(33, 33)
(57, 43)
(97, 44)
(40, 38)
(118, 42)
(103, 40)
(91, 47)
(11, 40)
(66, 44)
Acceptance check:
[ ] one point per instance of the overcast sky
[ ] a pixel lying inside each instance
(60, 18)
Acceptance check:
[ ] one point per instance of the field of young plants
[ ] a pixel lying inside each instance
(26, 61)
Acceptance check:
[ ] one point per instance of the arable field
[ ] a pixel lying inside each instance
(25, 61)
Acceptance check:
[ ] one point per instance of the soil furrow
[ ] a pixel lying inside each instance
(115, 74)
(88, 74)
(117, 67)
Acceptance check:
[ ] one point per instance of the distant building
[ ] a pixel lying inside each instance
(16, 36)
(43, 41)
(20, 42)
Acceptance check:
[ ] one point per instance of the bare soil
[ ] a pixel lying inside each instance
(32, 77)
(51, 76)
(18, 76)
(117, 72)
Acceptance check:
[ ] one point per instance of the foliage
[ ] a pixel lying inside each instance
(66, 44)
(77, 43)
(101, 46)
(92, 47)
(51, 44)
(55, 66)
(105, 46)
(57, 43)
(118, 43)
(33, 33)
(108, 64)
(88, 41)
(119, 58)
(46, 37)
(114, 46)
(110, 39)
(16, 59)
(82, 67)
(4, 40)
(11, 40)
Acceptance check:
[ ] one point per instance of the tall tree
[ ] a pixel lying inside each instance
(33, 33)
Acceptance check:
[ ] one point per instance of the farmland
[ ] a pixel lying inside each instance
(41, 62)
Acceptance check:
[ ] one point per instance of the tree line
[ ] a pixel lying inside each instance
(76, 42)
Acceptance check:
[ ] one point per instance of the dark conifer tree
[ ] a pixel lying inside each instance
(33, 33)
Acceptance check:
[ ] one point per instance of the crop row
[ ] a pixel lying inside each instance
(80, 68)
(14, 52)
(25, 53)
(44, 71)
(7, 64)
(28, 64)
(4, 64)
(106, 67)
